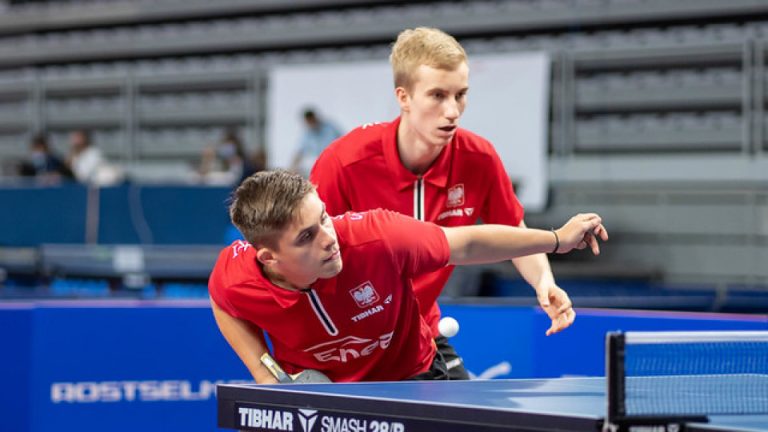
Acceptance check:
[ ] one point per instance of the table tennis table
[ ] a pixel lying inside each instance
(561, 404)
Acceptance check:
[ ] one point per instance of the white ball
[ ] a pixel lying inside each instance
(448, 327)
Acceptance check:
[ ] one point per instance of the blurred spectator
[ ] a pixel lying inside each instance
(259, 160)
(318, 134)
(226, 162)
(87, 162)
(258, 163)
(43, 163)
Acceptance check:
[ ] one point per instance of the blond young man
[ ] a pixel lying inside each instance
(423, 165)
(336, 294)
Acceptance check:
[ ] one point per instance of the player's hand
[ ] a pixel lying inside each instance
(582, 231)
(306, 376)
(557, 305)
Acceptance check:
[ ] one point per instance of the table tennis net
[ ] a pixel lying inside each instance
(695, 373)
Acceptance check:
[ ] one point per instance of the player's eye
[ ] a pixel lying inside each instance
(305, 237)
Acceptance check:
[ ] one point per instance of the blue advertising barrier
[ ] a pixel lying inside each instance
(15, 366)
(117, 366)
(153, 366)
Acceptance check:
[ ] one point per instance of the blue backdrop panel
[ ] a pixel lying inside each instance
(496, 339)
(33, 215)
(127, 214)
(163, 214)
(580, 349)
(183, 215)
(120, 212)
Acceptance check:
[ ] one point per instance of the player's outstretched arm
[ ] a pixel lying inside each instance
(553, 300)
(479, 244)
(248, 342)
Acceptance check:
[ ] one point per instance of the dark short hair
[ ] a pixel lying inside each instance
(265, 203)
(39, 139)
(86, 134)
(309, 114)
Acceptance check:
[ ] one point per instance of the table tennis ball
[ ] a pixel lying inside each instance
(448, 327)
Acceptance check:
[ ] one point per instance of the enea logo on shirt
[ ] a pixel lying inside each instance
(455, 196)
(365, 295)
(349, 348)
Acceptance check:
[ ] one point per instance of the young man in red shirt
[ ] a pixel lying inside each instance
(335, 294)
(423, 165)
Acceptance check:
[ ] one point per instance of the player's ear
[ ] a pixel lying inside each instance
(403, 99)
(266, 256)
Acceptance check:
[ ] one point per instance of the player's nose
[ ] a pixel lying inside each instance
(452, 109)
(327, 238)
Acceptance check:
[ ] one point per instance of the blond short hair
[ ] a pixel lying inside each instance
(423, 46)
(267, 202)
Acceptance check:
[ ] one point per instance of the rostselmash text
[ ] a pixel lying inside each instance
(131, 391)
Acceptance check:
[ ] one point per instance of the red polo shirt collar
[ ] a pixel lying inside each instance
(285, 298)
(437, 174)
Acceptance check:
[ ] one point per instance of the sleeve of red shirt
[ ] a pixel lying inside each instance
(216, 284)
(327, 176)
(420, 247)
(501, 205)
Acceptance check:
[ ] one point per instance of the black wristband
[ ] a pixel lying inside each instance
(557, 241)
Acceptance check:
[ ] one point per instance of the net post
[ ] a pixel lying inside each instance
(615, 376)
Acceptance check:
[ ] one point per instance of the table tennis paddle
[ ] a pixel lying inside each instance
(304, 377)
(310, 376)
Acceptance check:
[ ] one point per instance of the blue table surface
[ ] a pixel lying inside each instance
(563, 397)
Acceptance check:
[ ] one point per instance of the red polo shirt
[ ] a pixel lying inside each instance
(361, 325)
(362, 171)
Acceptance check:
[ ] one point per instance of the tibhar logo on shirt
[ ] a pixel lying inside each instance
(369, 312)
(455, 196)
(364, 295)
(457, 212)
